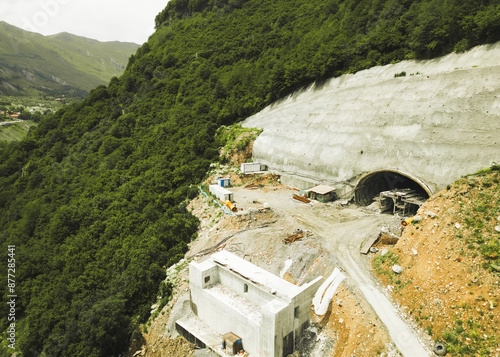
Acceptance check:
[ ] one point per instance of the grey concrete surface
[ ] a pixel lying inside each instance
(439, 122)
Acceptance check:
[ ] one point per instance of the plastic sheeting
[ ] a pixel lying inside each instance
(322, 299)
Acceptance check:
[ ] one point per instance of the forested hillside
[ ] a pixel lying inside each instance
(62, 64)
(94, 198)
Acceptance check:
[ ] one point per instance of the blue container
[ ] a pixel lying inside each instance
(224, 182)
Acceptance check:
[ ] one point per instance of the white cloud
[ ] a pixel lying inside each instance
(104, 20)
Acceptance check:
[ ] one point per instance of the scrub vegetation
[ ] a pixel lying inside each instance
(95, 197)
(450, 280)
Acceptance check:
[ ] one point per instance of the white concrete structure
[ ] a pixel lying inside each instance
(221, 193)
(251, 167)
(230, 294)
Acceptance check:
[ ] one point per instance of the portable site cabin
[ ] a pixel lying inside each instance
(221, 193)
(224, 181)
(232, 343)
(321, 193)
(251, 167)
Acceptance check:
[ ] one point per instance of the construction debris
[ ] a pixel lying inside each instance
(402, 201)
(301, 199)
(293, 237)
(371, 239)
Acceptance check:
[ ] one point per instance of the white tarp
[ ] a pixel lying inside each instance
(322, 299)
(288, 264)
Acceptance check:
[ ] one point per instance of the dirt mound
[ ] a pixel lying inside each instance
(449, 284)
(178, 347)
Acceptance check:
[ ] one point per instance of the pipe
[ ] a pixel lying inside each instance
(231, 206)
(354, 189)
(406, 222)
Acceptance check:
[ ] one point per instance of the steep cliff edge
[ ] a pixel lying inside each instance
(432, 121)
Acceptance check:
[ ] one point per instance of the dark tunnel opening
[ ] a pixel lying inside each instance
(395, 191)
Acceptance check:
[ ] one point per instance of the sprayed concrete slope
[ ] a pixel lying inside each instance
(436, 124)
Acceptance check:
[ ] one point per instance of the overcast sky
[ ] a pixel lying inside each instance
(103, 20)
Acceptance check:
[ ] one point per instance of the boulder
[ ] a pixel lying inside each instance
(417, 219)
(431, 214)
(397, 269)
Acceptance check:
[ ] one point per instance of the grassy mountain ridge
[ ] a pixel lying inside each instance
(94, 198)
(54, 63)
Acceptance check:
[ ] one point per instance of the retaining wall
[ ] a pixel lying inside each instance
(439, 122)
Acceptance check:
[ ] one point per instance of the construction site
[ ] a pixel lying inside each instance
(284, 259)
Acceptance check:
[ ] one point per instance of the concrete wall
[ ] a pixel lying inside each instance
(217, 313)
(224, 318)
(439, 122)
(237, 283)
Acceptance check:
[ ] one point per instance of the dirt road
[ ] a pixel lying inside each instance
(339, 233)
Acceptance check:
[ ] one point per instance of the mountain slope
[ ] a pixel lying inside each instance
(50, 63)
(450, 259)
(94, 199)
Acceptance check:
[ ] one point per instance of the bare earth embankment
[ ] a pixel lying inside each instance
(450, 281)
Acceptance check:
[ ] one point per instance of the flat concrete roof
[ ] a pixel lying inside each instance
(236, 302)
(201, 331)
(321, 189)
(204, 333)
(270, 282)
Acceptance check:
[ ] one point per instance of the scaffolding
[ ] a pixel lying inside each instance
(403, 201)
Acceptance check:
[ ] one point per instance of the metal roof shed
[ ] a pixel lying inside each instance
(224, 181)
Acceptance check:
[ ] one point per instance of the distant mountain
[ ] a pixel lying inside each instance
(57, 64)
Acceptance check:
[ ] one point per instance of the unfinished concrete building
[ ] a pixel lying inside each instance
(231, 295)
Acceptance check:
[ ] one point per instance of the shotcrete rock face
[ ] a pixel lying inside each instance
(436, 123)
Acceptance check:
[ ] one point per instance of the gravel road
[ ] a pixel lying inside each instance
(339, 233)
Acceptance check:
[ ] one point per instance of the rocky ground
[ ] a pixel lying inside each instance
(449, 285)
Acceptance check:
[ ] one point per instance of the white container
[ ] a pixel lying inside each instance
(250, 167)
(224, 182)
(221, 193)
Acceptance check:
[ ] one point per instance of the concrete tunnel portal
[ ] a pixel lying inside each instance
(394, 190)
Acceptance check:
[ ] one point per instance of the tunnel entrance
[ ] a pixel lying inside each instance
(394, 191)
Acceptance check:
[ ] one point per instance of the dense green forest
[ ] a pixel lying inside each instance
(94, 198)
